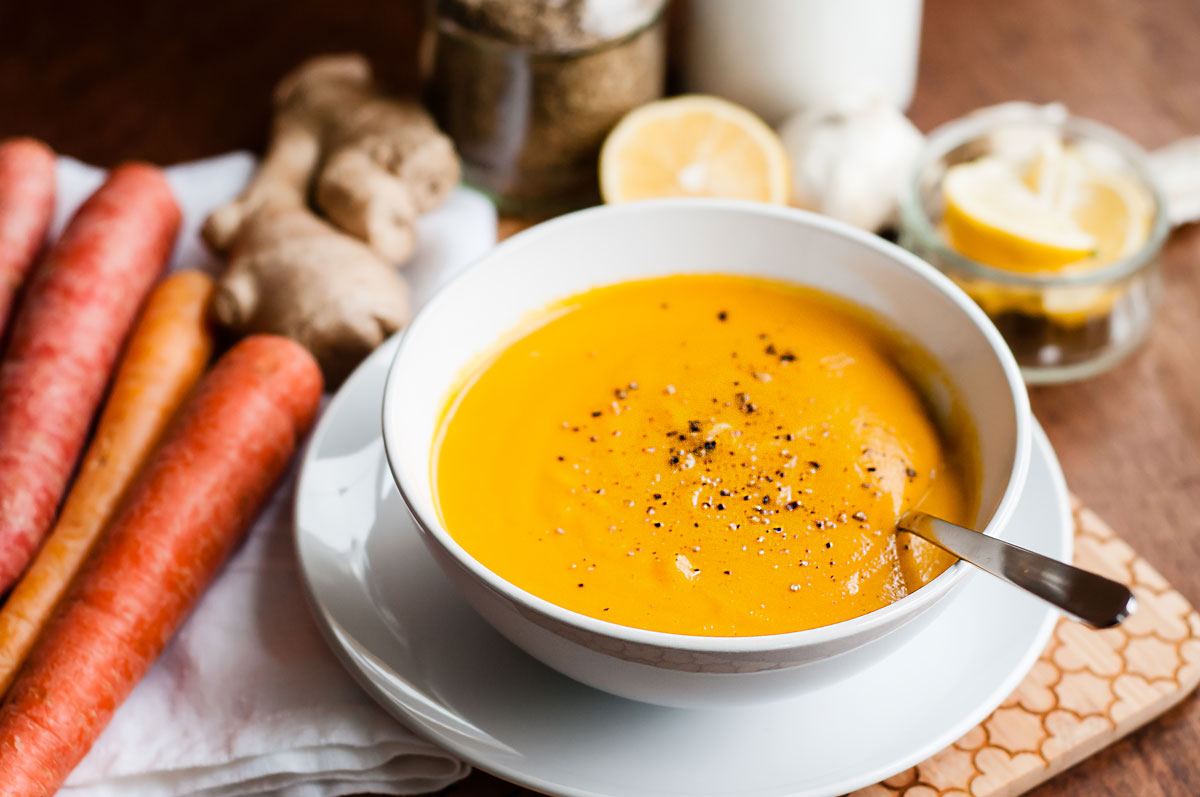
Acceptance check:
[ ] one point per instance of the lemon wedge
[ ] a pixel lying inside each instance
(994, 217)
(1069, 210)
(693, 146)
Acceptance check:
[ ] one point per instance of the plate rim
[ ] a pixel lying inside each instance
(341, 643)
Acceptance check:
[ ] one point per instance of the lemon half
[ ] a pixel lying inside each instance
(693, 146)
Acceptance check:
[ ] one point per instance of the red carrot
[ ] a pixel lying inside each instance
(165, 357)
(80, 304)
(26, 207)
(199, 492)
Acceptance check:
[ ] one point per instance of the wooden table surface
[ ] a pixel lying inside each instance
(173, 81)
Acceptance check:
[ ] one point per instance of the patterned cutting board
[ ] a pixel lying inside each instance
(1087, 690)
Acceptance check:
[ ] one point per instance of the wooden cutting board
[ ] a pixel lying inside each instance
(1087, 690)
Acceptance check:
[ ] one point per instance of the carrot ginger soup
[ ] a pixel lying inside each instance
(707, 455)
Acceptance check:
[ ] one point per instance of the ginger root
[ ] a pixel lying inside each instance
(293, 274)
(385, 162)
(373, 164)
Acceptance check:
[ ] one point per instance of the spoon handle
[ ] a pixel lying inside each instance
(1092, 599)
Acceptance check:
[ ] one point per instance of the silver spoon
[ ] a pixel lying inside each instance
(1098, 601)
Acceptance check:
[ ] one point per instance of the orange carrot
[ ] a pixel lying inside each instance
(26, 207)
(166, 354)
(198, 494)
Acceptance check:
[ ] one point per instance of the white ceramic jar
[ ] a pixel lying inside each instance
(778, 56)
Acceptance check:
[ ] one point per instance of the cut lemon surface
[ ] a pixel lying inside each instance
(994, 217)
(1116, 211)
(1102, 200)
(693, 146)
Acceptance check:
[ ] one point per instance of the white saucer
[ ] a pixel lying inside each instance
(408, 639)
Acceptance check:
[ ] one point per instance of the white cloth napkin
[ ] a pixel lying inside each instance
(247, 699)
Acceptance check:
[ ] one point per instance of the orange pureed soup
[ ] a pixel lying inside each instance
(709, 455)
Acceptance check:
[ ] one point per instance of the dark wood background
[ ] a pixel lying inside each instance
(172, 81)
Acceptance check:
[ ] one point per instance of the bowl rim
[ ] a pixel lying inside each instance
(891, 615)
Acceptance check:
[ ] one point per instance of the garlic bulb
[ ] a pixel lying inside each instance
(850, 162)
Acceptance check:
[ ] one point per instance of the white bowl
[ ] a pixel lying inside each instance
(645, 239)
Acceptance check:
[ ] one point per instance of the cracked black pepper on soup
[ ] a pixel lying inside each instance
(708, 455)
(528, 89)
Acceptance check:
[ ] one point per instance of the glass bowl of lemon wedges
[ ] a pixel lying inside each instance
(1053, 224)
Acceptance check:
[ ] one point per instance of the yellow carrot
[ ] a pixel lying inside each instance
(167, 353)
